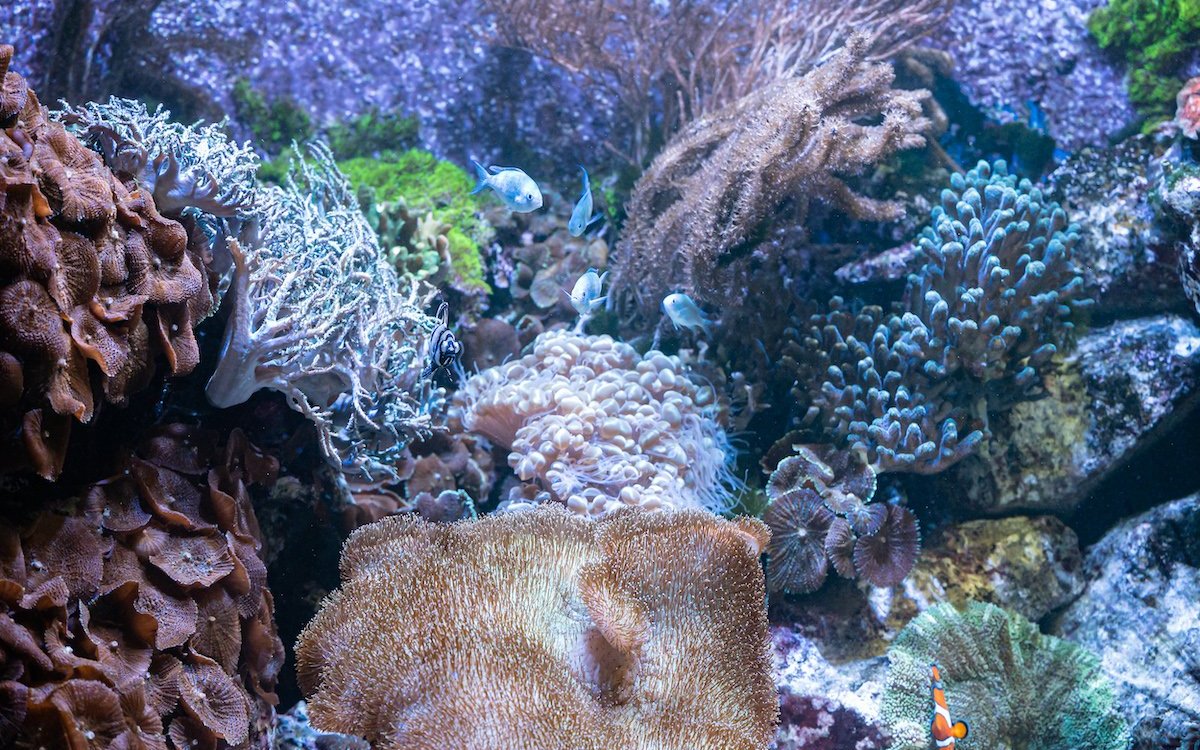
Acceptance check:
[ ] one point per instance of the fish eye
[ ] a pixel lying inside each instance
(529, 197)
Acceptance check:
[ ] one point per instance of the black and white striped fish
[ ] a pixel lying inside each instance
(444, 349)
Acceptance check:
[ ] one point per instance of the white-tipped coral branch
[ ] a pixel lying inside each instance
(320, 316)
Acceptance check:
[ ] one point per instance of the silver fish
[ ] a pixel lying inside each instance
(444, 349)
(585, 297)
(517, 189)
(684, 313)
(581, 217)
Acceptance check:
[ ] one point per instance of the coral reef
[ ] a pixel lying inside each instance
(95, 283)
(1066, 80)
(1143, 583)
(981, 319)
(694, 59)
(599, 427)
(1126, 386)
(319, 316)
(139, 615)
(1014, 686)
(821, 515)
(543, 630)
(1187, 109)
(697, 214)
(1156, 39)
(1179, 187)
(852, 686)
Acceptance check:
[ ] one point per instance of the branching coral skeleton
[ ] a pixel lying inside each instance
(320, 316)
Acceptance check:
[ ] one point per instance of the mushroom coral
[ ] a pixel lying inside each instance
(95, 284)
(1014, 686)
(821, 515)
(138, 616)
(544, 630)
(600, 427)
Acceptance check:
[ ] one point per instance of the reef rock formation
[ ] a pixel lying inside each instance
(697, 216)
(1012, 685)
(139, 617)
(95, 283)
(599, 427)
(544, 630)
(1124, 387)
(1138, 614)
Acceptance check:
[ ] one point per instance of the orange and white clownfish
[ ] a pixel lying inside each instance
(945, 733)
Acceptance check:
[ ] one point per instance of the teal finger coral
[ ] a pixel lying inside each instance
(1016, 688)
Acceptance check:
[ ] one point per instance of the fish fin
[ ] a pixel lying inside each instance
(959, 730)
(483, 177)
(603, 276)
(587, 184)
(594, 219)
(497, 170)
(596, 303)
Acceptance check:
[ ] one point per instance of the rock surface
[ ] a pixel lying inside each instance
(1030, 565)
(1122, 388)
(1140, 613)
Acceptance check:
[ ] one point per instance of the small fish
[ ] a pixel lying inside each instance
(684, 314)
(517, 189)
(945, 734)
(583, 209)
(444, 349)
(585, 297)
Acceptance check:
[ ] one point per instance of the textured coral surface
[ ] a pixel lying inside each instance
(544, 630)
(138, 616)
(599, 427)
(95, 284)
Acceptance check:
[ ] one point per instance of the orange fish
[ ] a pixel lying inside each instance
(945, 733)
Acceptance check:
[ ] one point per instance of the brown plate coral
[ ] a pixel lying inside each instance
(95, 284)
(138, 617)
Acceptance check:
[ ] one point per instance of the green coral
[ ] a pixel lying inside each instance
(275, 124)
(1155, 38)
(1015, 688)
(428, 185)
(370, 134)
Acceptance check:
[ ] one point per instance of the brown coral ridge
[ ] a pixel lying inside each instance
(541, 629)
(138, 617)
(699, 218)
(94, 283)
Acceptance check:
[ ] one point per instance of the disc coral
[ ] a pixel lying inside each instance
(544, 630)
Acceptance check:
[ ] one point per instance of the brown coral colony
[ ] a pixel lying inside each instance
(127, 621)
(94, 282)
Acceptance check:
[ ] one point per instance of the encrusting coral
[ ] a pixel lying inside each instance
(138, 617)
(320, 316)
(698, 215)
(94, 281)
(599, 427)
(1013, 686)
(821, 515)
(543, 630)
(981, 319)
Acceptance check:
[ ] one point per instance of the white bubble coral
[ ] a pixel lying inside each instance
(598, 426)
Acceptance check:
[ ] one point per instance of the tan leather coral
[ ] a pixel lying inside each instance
(541, 629)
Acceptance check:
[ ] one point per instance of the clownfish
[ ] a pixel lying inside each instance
(945, 733)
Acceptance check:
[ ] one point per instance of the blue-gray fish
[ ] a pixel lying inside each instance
(585, 297)
(581, 217)
(444, 349)
(684, 313)
(517, 189)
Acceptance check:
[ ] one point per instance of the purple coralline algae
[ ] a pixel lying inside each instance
(1022, 60)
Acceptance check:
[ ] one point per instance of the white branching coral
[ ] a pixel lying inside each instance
(319, 315)
(183, 166)
(598, 426)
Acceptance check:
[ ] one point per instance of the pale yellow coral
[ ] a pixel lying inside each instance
(542, 631)
(599, 427)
